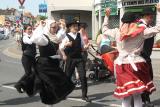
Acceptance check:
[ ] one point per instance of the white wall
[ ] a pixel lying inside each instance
(70, 4)
(85, 16)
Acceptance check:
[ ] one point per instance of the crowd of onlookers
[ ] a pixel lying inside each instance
(6, 30)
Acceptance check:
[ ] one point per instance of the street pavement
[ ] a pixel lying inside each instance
(100, 92)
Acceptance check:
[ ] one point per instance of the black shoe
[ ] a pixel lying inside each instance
(19, 89)
(86, 99)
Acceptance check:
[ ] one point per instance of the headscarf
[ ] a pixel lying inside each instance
(131, 26)
(46, 31)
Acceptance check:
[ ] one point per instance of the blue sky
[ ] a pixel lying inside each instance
(30, 5)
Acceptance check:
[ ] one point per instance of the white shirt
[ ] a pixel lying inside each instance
(37, 37)
(130, 49)
(26, 39)
(66, 39)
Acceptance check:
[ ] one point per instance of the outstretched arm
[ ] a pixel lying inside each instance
(105, 26)
(149, 32)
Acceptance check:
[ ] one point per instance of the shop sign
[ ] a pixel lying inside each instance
(112, 4)
(43, 8)
(139, 2)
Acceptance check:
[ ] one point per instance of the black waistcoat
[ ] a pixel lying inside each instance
(74, 51)
(49, 50)
(29, 50)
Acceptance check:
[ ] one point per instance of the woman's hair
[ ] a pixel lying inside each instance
(26, 26)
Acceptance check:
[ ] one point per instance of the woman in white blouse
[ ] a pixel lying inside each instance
(48, 80)
(132, 73)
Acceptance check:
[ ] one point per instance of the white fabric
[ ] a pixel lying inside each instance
(52, 37)
(131, 46)
(26, 39)
(38, 37)
(47, 27)
(49, 106)
(126, 102)
(55, 57)
(66, 39)
(137, 100)
(38, 34)
(129, 57)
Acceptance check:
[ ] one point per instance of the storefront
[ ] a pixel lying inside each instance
(72, 9)
(99, 13)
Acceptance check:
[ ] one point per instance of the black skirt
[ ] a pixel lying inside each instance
(48, 80)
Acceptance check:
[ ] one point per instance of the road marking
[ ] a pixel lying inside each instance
(96, 102)
(9, 87)
(74, 99)
(11, 54)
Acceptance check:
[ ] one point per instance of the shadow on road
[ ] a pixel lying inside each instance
(18, 101)
(99, 96)
(92, 105)
(11, 83)
(156, 102)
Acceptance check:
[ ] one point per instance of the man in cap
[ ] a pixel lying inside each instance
(148, 16)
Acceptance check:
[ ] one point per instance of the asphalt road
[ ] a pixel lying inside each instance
(100, 92)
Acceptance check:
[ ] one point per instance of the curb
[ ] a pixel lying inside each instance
(11, 54)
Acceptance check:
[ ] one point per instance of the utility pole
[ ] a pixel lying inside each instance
(21, 7)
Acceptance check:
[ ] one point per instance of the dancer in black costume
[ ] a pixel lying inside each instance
(48, 80)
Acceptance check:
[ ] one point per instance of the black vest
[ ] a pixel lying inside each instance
(49, 50)
(74, 51)
(29, 50)
(147, 49)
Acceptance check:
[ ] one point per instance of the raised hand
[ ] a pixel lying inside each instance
(108, 11)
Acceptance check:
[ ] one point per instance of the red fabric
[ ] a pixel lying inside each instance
(130, 30)
(84, 35)
(132, 81)
(108, 59)
(138, 31)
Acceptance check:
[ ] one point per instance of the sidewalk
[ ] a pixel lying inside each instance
(14, 51)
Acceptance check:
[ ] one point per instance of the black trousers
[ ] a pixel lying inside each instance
(28, 63)
(71, 63)
(145, 95)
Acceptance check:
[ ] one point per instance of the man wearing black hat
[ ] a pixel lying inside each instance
(147, 19)
(71, 48)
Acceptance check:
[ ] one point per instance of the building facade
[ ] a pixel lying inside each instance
(92, 12)
(99, 13)
(122, 6)
(80, 10)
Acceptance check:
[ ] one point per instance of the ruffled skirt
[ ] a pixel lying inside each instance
(130, 82)
(48, 80)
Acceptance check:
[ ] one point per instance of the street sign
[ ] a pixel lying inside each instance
(139, 2)
(43, 8)
(112, 4)
(21, 2)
